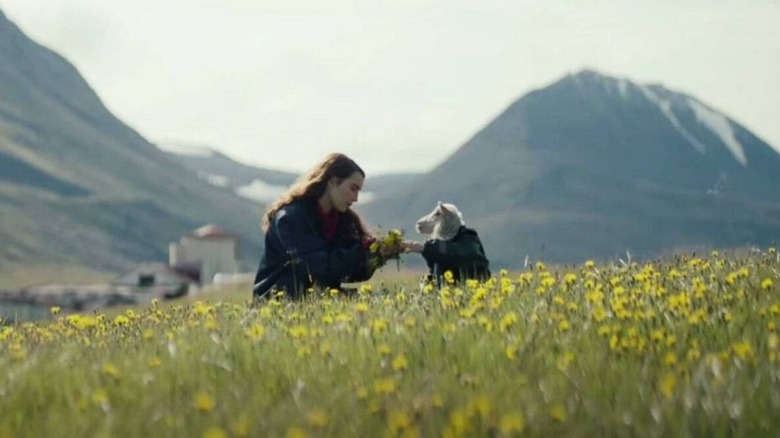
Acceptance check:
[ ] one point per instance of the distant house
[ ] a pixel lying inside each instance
(205, 252)
(144, 283)
(157, 278)
(72, 296)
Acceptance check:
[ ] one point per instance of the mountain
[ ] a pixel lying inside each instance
(253, 183)
(387, 185)
(593, 166)
(264, 185)
(79, 187)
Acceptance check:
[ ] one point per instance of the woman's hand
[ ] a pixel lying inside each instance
(392, 251)
(412, 246)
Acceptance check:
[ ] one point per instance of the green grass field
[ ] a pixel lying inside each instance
(679, 347)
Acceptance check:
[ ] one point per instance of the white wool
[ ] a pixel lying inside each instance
(442, 223)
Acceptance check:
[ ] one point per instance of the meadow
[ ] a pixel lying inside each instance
(682, 346)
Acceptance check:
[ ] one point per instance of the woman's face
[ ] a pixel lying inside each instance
(343, 193)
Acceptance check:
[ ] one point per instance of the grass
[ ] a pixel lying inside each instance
(678, 347)
(17, 275)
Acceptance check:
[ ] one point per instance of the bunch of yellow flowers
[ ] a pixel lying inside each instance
(385, 248)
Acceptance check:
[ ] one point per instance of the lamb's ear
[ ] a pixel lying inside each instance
(439, 206)
(443, 208)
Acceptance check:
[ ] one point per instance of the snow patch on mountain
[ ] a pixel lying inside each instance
(187, 149)
(721, 126)
(260, 191)
(666, 108)
(217, 180)
(622, 85)
(365, 198)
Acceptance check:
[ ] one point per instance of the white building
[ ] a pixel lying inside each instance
(209, 250)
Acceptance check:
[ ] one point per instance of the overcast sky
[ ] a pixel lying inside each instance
(397, 84)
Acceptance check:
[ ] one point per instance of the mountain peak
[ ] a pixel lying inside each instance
(695, 123)
(593, 79)
(588, 73)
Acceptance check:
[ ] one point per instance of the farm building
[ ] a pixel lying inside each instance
(158, 278)
(205, 252)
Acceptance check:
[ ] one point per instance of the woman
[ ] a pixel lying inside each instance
(312, 236)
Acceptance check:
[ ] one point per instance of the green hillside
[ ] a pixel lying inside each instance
(79, 187)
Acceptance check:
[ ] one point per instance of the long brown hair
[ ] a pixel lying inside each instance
(313, 185)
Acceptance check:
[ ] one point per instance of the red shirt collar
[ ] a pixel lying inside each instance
(330, 221)
(325, 215)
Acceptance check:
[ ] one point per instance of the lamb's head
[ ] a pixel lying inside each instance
(442, 223)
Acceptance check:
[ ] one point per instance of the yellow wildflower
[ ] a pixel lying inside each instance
(121, 320)
(215, 432)
(743, 350)
(459, 421)
(318, 418)
(511, 351)
(398, 421)
(241, 427)
(565, 360)
(111, 370)
(99, 397)
(383, 349)
(400, 363)
(599, 314)
(204, 402)
(298, 332)
(558, 412)
(511, 423)
(507, 321)
(385, 386)
(667, 384)
(255, 332)
(296, 432)
(657, 335)
(379, 325)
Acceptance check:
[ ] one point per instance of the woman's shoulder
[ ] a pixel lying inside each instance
(297, 208)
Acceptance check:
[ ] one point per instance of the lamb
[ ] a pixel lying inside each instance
(452, 246)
